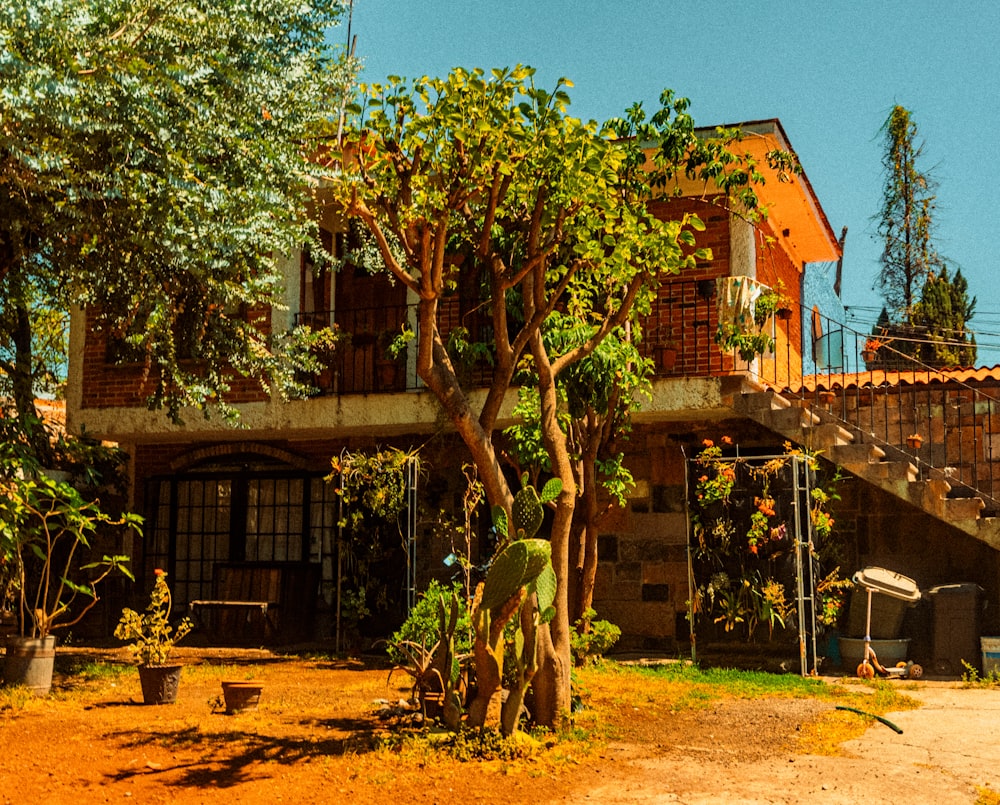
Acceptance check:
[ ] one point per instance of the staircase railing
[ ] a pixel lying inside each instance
(940, 418)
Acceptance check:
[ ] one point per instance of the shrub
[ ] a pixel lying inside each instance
(423, 625)
(592, 639)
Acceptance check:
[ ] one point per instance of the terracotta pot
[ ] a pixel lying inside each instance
(159, 683)
(666, 357)
(241, 696)
(783, 313)
(914, 442)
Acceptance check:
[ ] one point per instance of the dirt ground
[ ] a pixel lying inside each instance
(311, 741)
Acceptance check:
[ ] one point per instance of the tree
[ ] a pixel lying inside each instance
(905, 222)
(927, 311)
(490, 180)
(153, 163)
(940, 318)
(597, 397)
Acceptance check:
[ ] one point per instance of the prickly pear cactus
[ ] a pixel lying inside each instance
(527, 513)
(545, 589)
(515, 566)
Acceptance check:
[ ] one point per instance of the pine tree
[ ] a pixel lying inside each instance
(940, 318)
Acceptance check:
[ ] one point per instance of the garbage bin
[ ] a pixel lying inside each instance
(956, 618)
(892, 595)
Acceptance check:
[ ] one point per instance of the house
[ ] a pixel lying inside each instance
(217, 497)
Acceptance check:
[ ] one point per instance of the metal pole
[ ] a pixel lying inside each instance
(690, 561)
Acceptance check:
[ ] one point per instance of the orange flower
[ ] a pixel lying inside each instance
(726, 440)
(707, 442)
(158, 572)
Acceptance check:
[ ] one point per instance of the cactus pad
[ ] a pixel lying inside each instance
(517, 565)
(527, 513)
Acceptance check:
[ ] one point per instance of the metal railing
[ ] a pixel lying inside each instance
(885, 398)
(360, 363)
(933, 416)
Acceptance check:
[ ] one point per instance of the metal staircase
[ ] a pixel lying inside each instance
(934, 490)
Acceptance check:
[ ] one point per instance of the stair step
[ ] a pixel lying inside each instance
(896, 471)
(827, 436)
(761, 402)
(785, 420)
(856, 453)
(963, 508)
(929, 495)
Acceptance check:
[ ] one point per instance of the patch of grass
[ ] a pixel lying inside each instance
(826, 735)
(15, 698)
(987, 796)
(100, 671)
(683, 686)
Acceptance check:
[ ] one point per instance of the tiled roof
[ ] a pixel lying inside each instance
(880, 377)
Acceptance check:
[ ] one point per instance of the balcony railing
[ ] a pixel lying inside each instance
(887, 396)
(361, 364)
(942, 420)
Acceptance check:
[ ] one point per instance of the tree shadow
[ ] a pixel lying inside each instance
(230, 757)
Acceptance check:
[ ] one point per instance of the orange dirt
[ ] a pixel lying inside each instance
(312, 739)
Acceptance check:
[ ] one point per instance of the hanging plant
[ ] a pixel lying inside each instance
(751, 341)
(716, 483)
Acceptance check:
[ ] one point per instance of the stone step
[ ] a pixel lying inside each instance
(895, 471)
(856, 453)
(962, 509)
(828, 435)
(789, 420)
(760, 403)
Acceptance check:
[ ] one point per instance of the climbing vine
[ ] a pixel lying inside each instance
(373, 492)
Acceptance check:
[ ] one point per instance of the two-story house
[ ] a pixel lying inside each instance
(213, 494)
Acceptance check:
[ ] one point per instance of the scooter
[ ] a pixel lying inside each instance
(870, 665)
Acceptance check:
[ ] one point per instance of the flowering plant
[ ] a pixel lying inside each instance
(719, 484)
(152, 636)
(831, 592)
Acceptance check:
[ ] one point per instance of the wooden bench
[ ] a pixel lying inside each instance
(250, 599)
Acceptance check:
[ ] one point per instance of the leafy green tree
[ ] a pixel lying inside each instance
(489, 181)
(154, 160)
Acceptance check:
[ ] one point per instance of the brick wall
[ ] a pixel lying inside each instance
(105, 384)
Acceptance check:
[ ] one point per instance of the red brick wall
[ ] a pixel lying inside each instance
(111, 385)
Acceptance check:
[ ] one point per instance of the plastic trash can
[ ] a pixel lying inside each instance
(956, 617)
(893, 595)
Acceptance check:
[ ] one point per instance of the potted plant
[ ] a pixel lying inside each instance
(153, 640)
(46, 525)
(914, 440)
(391, 346)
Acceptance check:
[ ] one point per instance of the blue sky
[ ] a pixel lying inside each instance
(830, 71)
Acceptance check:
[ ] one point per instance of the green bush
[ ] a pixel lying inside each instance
(589, 644)
(423, 625)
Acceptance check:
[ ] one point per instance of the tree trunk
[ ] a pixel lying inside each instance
(22, 377)
(552, 682)
(588, 576)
